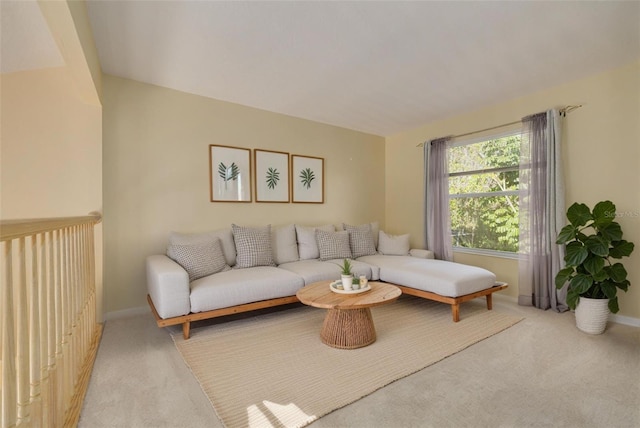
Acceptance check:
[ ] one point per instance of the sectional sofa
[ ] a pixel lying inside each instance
(242, 269)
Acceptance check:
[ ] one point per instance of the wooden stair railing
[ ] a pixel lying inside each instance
(49, 334)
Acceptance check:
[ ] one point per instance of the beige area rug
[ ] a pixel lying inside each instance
(272, 370)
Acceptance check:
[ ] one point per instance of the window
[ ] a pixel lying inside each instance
(483, 193)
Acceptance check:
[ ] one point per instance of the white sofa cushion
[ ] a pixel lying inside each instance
(360, 240)
(284, 244)
(225, 236)
(436, 276)
(200, 259)
(313, 270)
(333, 245)
(393, 245)
(253, 246)
(423, 254)
(317, 270)
(358, 268)
(307, 244)
(240, 286)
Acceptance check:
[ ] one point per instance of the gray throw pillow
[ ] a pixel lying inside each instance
(253, 246)
(200, 259)
(333, 245)
(225, 236)
(360, 240)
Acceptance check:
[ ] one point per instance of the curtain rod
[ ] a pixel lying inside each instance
(563, 111)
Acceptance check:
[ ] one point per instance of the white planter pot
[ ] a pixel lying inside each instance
(592, 315)
(347, 282)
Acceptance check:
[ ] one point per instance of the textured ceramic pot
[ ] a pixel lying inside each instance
(347, 281)
(592, 315)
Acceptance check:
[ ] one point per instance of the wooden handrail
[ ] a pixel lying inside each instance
(14, 229)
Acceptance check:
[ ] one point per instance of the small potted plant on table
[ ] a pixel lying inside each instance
(347, 275)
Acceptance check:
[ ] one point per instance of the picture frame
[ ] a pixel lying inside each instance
(307, 179)
(271, 176)
(229, 173)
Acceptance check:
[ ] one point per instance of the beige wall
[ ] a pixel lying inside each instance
(156, 174)
(601, 157)
(51, 147)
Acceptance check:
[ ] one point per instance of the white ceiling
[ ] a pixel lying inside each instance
(25, 39)
(378, 67)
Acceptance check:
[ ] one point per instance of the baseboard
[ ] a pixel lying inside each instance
(126, 313)
(620, 319)
(623, 319)
(505, 298)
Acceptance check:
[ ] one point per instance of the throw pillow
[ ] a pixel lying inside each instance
(307, 244)
(200, 259)
(393, 245)
(253, 245)
(333, 245)
(225, 236)
(284, 245)
(360, 240)
(375, 231)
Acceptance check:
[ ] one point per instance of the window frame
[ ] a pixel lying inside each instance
(467, 142)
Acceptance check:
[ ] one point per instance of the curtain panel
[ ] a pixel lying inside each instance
(437, 222)
(542, 212)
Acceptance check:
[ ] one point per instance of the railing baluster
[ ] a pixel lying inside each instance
(7, 353)
(48, 331)
(22, 337)
(44, 330)
(34, 336)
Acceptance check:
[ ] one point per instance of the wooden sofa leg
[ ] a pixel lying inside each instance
(455, 311)
(489, 302)
(186, 327)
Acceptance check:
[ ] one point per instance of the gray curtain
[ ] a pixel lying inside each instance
(437, 223)
(542, 212)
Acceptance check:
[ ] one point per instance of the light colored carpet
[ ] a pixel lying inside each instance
(272, 370)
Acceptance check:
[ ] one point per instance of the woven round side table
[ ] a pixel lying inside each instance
(348, 323)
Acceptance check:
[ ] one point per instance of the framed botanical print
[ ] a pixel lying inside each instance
(229, 174)
(271, 176)
(307, 179)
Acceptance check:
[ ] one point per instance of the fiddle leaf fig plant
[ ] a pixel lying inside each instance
(592, 240)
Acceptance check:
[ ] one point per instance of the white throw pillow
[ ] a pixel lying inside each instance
(284, 245)
(200, 259)
(360, 240)
(393, 245)
(225, 236)
(253, 245)
(307, 244)
(333, 245)
(375, 231)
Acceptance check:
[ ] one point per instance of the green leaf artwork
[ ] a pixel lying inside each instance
(272, 177)
(307, 176)
(228, 173)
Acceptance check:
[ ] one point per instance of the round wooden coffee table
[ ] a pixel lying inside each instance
(348, 323)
